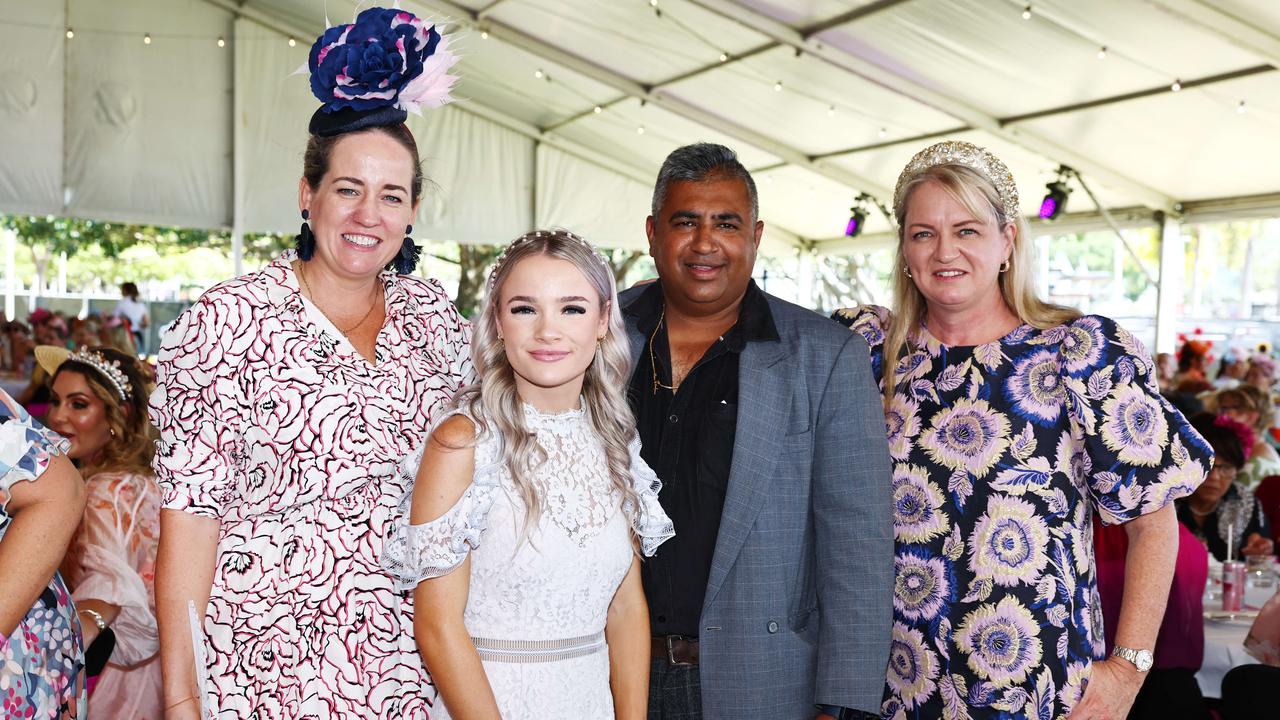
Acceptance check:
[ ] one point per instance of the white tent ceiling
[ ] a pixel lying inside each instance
(823, 99)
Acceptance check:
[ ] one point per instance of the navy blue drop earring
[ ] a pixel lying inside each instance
(305, 242)
(407, 259)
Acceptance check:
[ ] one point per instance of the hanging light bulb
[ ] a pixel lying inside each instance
(883, 132)
(293, 42)
(831, 111)
(484, 34)
(70, 33)
(1240, 108)
(640, 130)
(724, 57)
(777, 87)
(597, 109)
(1102, 53)
(539, 74)
(1176, 86)
(146, 39)
(1026, 13)
(653, 3)
(221, 42)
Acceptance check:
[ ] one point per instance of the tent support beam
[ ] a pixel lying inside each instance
(1115, 228)
(670, 103)
(1244, 35)
(899, 83)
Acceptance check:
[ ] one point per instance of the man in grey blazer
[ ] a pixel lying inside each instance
(761, 418)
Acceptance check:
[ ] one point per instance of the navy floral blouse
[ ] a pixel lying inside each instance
(1002, 452)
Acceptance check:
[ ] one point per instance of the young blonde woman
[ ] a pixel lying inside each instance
(99, 403)
(532, 505)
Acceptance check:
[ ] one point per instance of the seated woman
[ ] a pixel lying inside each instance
(1170, 690)
(41, 498)
(1249, 405)
(1219, 507)
(99, 404)
(532, 506)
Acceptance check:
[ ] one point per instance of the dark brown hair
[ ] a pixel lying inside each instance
(134, 442)
(315, 162)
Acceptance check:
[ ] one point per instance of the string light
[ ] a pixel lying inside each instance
(597, 109)
(831, 111)
(146, 39)
(1240, 108)
(222, 42)
(1176, 86)
(777, 87)
(70, 33)
(724, 57)
(484, 34)
(1102, 53)
(1026, 13)
(292, 42)
(539, 74)
(640, 130)
(653, 3)
(883, 132)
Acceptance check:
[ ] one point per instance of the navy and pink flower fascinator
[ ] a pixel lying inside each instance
(376, 70)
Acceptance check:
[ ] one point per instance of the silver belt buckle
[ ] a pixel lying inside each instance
(671, 655)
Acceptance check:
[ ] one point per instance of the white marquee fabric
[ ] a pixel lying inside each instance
(183, 132)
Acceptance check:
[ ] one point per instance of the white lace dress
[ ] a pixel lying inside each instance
(536, 609)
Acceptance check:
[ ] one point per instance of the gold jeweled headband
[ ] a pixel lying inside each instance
(958, 152)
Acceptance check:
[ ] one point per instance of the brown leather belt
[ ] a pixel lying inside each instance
(676, 649)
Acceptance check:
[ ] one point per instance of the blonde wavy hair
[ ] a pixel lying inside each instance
(133, 437)
(978, 195)
(495, 406)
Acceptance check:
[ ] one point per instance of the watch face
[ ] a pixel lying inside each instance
(1143, 660)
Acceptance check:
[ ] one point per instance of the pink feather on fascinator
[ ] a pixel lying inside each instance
(1242, 432)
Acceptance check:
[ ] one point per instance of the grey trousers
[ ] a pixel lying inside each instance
(675, 692)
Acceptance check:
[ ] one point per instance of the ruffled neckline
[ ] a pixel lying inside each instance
(559, 420)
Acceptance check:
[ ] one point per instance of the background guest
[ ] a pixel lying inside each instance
(99, 405)
(1220, 507)
(1248, 405)
(135, 312)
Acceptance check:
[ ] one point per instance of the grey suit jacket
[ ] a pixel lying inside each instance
(798, 606)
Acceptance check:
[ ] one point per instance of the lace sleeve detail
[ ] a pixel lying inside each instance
(414, 553)
(650, 521)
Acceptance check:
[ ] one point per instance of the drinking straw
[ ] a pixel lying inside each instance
(1231, 532)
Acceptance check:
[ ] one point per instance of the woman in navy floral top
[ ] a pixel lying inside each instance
(1012, 421)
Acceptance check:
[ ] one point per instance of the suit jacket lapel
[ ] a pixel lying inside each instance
(764, 398)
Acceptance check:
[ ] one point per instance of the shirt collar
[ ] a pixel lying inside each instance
(755, 319)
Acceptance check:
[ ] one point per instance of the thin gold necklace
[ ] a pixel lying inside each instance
(302, 275)
(653, 363)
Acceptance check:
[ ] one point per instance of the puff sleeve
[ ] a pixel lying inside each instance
(197, 403)
(26, 447)
(1138, 452)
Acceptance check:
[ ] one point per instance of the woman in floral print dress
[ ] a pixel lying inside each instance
(286, 400)
(1010, 423)
(41, 498)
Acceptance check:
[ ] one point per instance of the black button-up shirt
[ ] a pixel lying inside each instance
(687, 438)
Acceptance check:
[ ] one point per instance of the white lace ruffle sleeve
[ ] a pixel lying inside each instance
(650, 521)
(414, 553)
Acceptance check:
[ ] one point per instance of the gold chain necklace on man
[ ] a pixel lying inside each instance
(653, 364)
(302, 275)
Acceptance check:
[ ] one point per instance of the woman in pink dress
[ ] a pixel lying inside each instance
(286, 400)
(98, 403)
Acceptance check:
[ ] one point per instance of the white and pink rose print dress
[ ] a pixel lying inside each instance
(272, 423)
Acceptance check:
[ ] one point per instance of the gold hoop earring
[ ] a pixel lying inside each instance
(1004, 266)
(906, 271)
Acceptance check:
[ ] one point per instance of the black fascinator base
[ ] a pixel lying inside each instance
(345, 120)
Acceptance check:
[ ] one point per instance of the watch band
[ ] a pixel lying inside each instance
(1134, 657)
